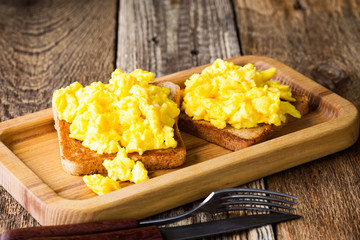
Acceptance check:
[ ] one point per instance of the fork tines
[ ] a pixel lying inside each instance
(256, 199)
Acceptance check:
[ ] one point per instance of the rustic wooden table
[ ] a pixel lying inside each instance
(45, 45)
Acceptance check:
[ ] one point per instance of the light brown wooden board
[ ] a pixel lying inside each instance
(31, 171)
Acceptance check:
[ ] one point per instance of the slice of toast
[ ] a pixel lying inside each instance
(236, 139)
(79, 160)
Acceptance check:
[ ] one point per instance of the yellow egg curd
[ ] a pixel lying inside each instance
(121, 168)
(128, 112)
(100, 184)
(125, 169)
(240, 96)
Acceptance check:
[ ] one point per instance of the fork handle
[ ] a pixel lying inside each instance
(70, 229)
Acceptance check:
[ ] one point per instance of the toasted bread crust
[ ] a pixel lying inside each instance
(79, 160)
(236, 139)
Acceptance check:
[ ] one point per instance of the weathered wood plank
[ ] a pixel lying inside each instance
(321, 40)
(168, 36)
(45, 45)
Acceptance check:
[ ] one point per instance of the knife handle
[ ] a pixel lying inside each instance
(69, 229)
(142, 233)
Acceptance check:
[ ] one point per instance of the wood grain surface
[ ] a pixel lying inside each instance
(45, 45)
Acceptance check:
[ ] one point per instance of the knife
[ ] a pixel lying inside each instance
(224, 226)
(133, 231)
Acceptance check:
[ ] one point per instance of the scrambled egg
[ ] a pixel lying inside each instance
(100, 184)
(128, 112)
(125, 169)
(225, 93)
(122, 169)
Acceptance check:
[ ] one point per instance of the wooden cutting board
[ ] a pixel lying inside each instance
(30, 167)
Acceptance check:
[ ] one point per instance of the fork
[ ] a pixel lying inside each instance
(232, 199)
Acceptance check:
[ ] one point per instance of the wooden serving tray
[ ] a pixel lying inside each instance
(30, 166)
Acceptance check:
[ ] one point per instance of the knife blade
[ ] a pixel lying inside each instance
(224, 226)
(130, 229)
